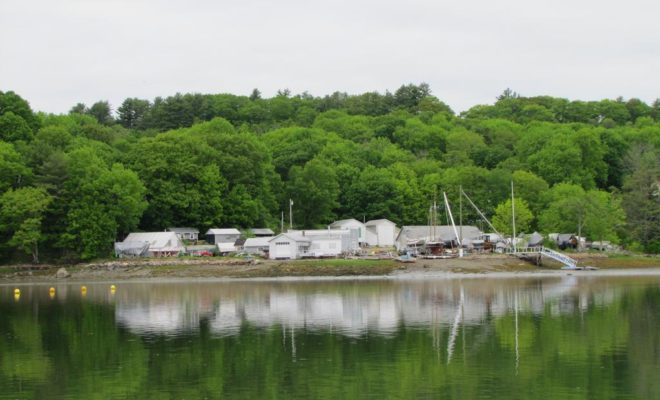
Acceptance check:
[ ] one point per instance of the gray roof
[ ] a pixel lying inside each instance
(223, 231)
(262, 231)
(183, 230)
(344, 221)
(292, 236)
(443, 232)
(257, 242)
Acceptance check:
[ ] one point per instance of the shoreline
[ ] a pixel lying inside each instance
(448, 276)
(232, 269)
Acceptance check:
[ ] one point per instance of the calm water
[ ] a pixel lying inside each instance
(542, 338)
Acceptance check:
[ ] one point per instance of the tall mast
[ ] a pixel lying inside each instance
(513, 218)
(451, 217)
(460, 212)
(434, 213)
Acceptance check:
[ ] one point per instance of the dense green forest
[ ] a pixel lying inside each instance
(73, 184)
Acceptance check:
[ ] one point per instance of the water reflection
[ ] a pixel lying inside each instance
(350, 308)
(474, 338)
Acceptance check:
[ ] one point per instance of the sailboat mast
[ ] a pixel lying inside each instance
(451, 217)
(513, 218)
(460, 212)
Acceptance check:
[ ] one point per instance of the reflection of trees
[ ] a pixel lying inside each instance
(586, 339)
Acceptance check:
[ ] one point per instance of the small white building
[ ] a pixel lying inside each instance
(257, 245)
(160, 244)
(346, 241)
(351, 223)
(185, 233)
(225, 235)
(288, 246)
(380, 232)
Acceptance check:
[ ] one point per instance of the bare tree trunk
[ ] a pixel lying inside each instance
(35, 254)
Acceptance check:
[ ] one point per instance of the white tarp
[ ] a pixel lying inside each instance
(131, 249)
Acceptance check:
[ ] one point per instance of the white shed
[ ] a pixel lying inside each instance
(346, 240)
(380, 232)
(288, 246)
(351, 223)
(225, 235)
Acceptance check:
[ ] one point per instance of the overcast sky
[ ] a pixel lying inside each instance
(55, 53)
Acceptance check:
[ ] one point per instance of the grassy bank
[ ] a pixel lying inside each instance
(616, 261)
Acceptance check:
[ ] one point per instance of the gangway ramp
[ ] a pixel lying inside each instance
(568, 262)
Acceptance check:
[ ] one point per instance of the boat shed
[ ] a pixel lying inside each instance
(224, 235)
(351, 223)
(381, 232)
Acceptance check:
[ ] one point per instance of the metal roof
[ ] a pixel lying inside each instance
(262, 231)
(223, 231)
(183, 230)
(257, 242)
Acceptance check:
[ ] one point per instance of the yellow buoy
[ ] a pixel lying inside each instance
(113, 287)
(17, 296)
(83, 290)
(51, 292)
(17, 291)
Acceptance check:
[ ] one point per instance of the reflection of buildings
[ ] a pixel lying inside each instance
(349, 308)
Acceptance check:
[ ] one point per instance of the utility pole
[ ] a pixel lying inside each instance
(282, 223)
(290, 214)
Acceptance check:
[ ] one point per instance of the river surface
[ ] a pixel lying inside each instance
(561, 337)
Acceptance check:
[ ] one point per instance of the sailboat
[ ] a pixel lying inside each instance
(436, 247)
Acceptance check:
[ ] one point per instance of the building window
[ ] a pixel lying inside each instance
(282, 243)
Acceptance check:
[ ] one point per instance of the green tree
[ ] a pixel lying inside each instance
(14, 171)
(530, 188)
(105, 203)
(102, 111)
(641, 196)
(314, 189)
(594, 213)
(132, 112)
(21, 215)
(184, 185)
(11, 102)
(503, 221)
(14, 128)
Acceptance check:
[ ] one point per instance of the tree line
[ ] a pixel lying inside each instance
(73, 184)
